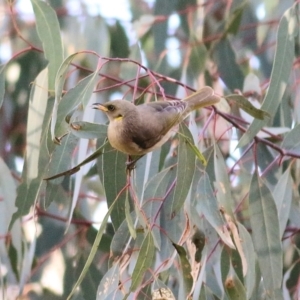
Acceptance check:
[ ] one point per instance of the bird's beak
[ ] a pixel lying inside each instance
(100, 107)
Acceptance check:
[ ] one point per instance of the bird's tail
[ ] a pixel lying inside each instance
(204, 97)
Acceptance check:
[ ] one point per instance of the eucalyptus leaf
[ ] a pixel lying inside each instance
(266, 234)
(49, 33)
(284, 57)
(248, 107)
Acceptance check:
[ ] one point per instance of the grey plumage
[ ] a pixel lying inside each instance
(137, 130)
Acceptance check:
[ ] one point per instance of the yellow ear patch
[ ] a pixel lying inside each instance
(119, 118)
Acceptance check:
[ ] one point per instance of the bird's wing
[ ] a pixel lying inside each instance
(155, 121)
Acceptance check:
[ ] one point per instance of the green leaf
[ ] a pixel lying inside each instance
(36, 113)
(2, 83)
(109, 282)
(86, 130)
(266, 234)
(222, 183)
(144, 261)
(7, 196)
(62, 157)
(113, 173)
(248, 250)
(248, 107)
(235, 18)
(184, 175)
(80, 94)
(186, 269)
(94, 249)
(291, 140)
(59, 85)
(128, 217)
(229, 70)
(49, 33)
(284, 57)
(206, 204)
(283, 193)
(98, 152)
(234, 288)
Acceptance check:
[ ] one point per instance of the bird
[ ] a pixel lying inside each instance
(138, 129)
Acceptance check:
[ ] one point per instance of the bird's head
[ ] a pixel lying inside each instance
(115, 110)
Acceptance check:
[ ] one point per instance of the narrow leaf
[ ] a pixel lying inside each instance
(49, 33)
(185, 173)
(283, 194)
(144, 261)
(207, 205)
(222, 183)
(248, 107)
(94, 249)
(266, 234)
(36, 112)
(186, 269)
(284, 57)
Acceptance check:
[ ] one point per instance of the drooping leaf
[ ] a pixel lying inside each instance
(266, 234)
(93, 250)
(109, 282)
(222, 182)
(112, 166)
(49, 33)
(291, 140)
(284, 56)
(186, 269)
(207, 205)
(185, 173)
(248, 107)
(36, 112)
(283, 194)
(2, 83)
(144, 261)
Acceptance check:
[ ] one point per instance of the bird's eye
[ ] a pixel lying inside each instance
(111, 107)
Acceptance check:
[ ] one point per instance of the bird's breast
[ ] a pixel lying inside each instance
(121, 139)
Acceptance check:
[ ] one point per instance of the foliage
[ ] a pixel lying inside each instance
(213, 214)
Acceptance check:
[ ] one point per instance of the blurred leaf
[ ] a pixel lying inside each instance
(119, 41)
(49, 32)
(233, 24)
(128, 217)
(248, 249)
(2, 83)
(228, 68)
(291, 140)
(109, 283)
(284, 57)
(248, 107)
(266, 235)
(282, 194)
(7, 197)
(235, 288)
(93, 250)
(197, 59)
(222, 183)
(186, 269)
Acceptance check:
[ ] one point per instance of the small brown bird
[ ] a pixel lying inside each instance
(139, 129)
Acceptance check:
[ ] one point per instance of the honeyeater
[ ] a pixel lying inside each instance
(139, 129)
